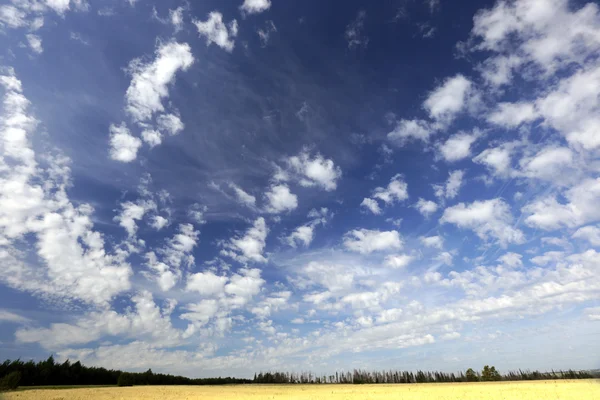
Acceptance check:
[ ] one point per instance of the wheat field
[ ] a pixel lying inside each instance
(537, 390)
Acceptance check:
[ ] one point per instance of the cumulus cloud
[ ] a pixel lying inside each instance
(396, 191)
(496, 159)
(206, 283)
(366, 241)
(72, 262)
(411, 129)
(580, 207)
(250, 246)
(255, 6)
(123, 145)
(590, 233)
(487, 218)
(215, 31)
(436, 242)
(280, 199)
(550, 163)
(511, 115)
(398, 261)
(150, 81)
(371, 205)
(314, 171)
(302, 234)
(132, 212)
(426, 207)
(452, 186)
(450, 98)
(243, 197)
(458, 146)
(35, 43)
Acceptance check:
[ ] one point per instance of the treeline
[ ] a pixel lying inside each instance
(49, 372)
(359, 376)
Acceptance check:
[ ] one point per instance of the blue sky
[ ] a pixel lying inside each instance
(221, 187)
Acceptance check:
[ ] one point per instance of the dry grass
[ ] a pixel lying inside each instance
(538, 390)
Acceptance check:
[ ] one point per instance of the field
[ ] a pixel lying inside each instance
(536, 390)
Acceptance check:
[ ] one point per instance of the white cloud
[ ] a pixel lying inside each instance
(72, 262)
(589, 233)
(280, 199)
(244, 285)
(250, 246)
(396, 191)
(366, 241)
(546, 33)
(448, 99)
(35, 43)
(452, 186)
(593, 313)
(170, 123)
(146, 321)
(12, 16)
(550, 163)
(445, 257)
(572, 108)
(150, 81)
(152, 137)
(302, 234)
(371, 205)
(132, 212)
(196, 213)
(243, 197)
(354, 32)
(398, 261)
(123, 145)
(580, 208)
(265, 34)
(7, 316)
(215, 31)
(496, 159)
(316, 171)
(206, 283)
(458, 146)
(512, 260)
(159, 222)
(176, 17)
(511, 115)
(177, 251)
(426, 207)
(411, 129)
(487, 218)
(255, 6)
(436, 242)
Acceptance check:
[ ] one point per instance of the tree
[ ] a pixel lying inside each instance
(490, 374)
(471, 375)
(10, 381)
(125, 379)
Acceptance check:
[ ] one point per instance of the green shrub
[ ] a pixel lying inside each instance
(10, 381)
(125, 379)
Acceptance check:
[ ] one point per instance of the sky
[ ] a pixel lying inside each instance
(218, 188)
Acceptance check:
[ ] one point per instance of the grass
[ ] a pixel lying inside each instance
(59, 387)
(531, 390)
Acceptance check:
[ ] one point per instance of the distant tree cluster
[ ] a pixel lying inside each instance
(361, 376)
(49, 372)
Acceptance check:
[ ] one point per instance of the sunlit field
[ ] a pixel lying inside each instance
(536, 390)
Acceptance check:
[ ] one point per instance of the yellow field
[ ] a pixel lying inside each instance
(538, 390)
